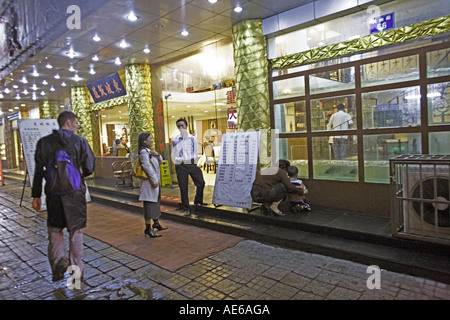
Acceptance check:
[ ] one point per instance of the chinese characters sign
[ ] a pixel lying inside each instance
(107, 88)
(382, 23)
(236, 171)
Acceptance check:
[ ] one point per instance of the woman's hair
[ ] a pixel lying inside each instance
(142, 137)
(283, 164)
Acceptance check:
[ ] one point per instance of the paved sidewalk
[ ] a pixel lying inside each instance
(247, 271)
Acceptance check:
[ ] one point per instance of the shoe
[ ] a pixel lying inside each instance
(276, 211)
(151, 233)
(200, 204)
(186, 213)
(157, 226)
(60, 269)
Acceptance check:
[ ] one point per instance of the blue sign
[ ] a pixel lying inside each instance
(107, 88)
(382, 23)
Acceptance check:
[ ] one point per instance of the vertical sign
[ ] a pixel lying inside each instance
(236, 170)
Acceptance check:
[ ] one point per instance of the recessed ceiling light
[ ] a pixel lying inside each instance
(72, 69)
(63, 84)
(184, 33)
(237, 9)
(7, 90)
(35, 73)
(43, 93)
(131, 16)
(48, 66)
(95, 57)
(52, 88)
(146, 50)
(212, 1)
(123, 44)
(117, 61)
(44, 82)
(96, 38)
(92, 71)
(71, 53)
(57, 76)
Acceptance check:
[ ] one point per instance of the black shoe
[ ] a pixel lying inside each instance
(200, 204)
(157, 226)
(60, 269)
(151, 233)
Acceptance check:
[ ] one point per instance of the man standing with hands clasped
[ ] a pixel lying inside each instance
(184, 155)
(66, 210)
(340, 120)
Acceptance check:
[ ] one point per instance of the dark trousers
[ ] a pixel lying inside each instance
(183, 172)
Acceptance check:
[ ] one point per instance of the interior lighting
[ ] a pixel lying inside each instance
(92, 71)
(95, 57)
(212, 1)
(184, 33)
(24, 80)
(7, 90)
(35, 73)
(34, 86)
(131, 16)
(42, 93)
(237, 9)
(117, 61)
(72, 69)
(52, 88)
(44, 82)
(146, 50)
(71, 53)
(18, 97)
(63, 84)
(48, 66)
(57, 76)
(96, 38)
(1, 97)
(123, 44)
(25, 91)
(76, 78)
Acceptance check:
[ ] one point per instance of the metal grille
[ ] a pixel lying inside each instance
(420, 206)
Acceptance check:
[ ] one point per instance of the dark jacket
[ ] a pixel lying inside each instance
(66, 210)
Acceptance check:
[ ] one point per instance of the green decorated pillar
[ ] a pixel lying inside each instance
(80, 106)
(48, 110)
(251, 72)
(252, 90)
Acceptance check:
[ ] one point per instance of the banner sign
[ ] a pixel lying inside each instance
(107, 88)
(236, 170)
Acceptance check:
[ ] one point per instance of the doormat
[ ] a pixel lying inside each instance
(177, 247)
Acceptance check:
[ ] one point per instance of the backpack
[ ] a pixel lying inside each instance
(61, 174)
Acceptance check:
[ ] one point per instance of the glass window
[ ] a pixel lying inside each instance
(438, 63)
(391, 108)
(378, 149)
(390, 71)
(439, 143)
(340, 79)
(288, 88)
(438, 95)
(335, 158)
(296, 151)
(290, 117)
(323, 109)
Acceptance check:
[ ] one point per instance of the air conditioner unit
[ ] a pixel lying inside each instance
(427, 209)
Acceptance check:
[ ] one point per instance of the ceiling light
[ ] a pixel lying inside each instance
(7, 90)
(44, 82)
(76, 78)
(52, 88)
(95, 57)
(146, 50)
(35, 73)
(63, 84)
(18, 97)
(10, 110)
(123, 44)
(92, 71)
(184, 33)
(34, 96)
(15, 86)
(25, 91)
(131, 16)
(72, 69)
(71, 53)
(212, 1)
(34, 87)
(96, 38)
(237, 9)
(117, 61)
(57, 76)
(42, 93)
(48, 66)
(1, 97)
(24, 80)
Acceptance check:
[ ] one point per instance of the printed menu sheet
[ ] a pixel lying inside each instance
(236, 170)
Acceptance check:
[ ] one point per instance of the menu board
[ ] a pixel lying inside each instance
(31, 130)
(236, 170)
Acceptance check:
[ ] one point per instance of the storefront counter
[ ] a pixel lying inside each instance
(103, 166)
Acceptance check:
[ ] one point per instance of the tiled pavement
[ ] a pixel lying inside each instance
(248, 271)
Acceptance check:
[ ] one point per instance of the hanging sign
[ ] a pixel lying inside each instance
(232, 118)
(107, 88)
(236, 170)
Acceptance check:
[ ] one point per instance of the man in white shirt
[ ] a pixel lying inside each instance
(340, 120)
(184, 155)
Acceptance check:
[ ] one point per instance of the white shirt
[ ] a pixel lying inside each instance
(184, 149)
(340, 121)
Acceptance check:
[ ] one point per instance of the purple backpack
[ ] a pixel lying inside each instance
(61, 174)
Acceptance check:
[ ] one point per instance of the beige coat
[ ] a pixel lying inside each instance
(148, 193)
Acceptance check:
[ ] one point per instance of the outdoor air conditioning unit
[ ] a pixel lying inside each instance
(426, 206)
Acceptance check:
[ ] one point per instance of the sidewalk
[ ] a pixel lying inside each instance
(249, 270)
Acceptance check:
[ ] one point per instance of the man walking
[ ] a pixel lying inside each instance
(67, 210)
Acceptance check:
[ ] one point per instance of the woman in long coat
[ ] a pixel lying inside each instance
(150, 192)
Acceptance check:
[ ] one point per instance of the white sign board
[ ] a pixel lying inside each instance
(31, 130)
(236, 170)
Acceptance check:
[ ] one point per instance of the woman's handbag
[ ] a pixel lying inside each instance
(138, 171)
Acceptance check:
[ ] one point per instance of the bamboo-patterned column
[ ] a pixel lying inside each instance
(251, 71)
(252, 90)
(49, 110)
(80, 106)
(140, 111)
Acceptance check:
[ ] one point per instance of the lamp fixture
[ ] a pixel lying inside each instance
(117, 61)
(123, 44)
(96, 38)
(237, 9)
(146, 50)
(95, 57)
(131, 16)
(184, 33)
